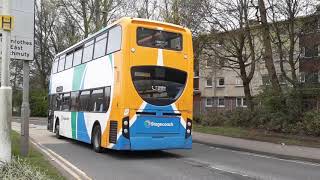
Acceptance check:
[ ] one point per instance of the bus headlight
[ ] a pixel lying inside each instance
(188, 131)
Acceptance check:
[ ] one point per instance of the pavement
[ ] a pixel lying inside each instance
(266, 148)
(206, 160)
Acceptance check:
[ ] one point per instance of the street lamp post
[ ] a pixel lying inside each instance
(5, 91)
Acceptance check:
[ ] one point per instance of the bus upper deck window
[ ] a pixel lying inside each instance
(88, 52)
(114, 40)
(159, 39)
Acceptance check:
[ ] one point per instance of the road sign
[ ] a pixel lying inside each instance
(22, 34)
(6, 22)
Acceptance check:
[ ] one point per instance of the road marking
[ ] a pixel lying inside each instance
(72, 173)
(63, 163)
(210, 166)
(263, 156)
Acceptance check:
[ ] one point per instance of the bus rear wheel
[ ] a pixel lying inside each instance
(96, 139)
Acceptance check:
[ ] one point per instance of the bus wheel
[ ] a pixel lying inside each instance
(57, 129)
(96, 139)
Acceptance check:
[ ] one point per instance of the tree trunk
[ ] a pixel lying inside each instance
(248, 96)
(268, 57)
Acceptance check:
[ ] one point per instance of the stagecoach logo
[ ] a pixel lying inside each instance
(149, 124)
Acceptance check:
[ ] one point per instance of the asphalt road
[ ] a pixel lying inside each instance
(202, 162)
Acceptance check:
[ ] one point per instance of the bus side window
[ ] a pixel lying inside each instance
(61, 63)
(107, 94)
(69, 59)
(88, 52)
(97, 101)
(74, 101)
(66, 102)
(77, 57)
(84, 101)
(55, 66)
(114, 40)
(100, 46)
(58, 104)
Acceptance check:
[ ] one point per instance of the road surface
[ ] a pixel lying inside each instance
(203, 162)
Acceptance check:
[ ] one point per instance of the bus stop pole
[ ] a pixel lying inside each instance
(25, 110)
(5, 92)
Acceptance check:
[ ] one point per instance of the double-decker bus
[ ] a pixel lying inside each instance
(127, 87)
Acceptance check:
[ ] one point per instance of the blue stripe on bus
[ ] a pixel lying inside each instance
(82, 133)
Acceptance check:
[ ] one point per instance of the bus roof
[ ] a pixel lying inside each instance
(129, 20)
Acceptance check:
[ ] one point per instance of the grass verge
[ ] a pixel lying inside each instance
(35, 159)
(260, 135)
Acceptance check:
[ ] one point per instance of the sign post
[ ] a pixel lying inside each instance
(5, 89)
(19, 47)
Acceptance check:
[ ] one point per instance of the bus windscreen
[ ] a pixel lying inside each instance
(158, 86)
(159, 39)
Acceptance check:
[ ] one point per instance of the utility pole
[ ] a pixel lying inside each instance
(25, 110)
(5, 89)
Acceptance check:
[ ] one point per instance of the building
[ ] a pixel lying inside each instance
(221, 89)
(309, 43)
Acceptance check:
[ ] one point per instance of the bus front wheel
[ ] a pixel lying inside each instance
(96, 139)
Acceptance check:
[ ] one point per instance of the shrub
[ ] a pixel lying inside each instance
(39, 103)
(311, 123)
(20, 169)
(213, 119)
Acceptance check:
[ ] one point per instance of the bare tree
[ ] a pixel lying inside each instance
(268, 54)
(45, 20)
(286, 28)
(233, 40)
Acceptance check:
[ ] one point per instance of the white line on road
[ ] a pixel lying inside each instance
(63, 163)
(72, 173)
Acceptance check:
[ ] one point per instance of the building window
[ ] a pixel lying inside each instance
(241, 102)
(221, 102)
(220, 82)
(222, 62)
(282, 79)
(209, 82)
(302, 77)
(209, 63)
(238, 81)
(196, 83)
(312, 77)
(209, 102)
(317, 50)
(303, 51)
(266, 80)
(308, 52)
